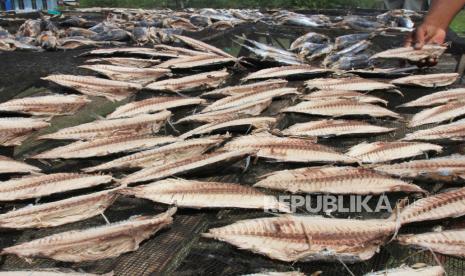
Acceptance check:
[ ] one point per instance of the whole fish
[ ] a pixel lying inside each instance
(312, 51)
(343, 94)
(273, 55)
(256, 123)
(59, 212)
(105, 146)
(193, 82)
(152, 105)
(311, 37)
(201, 46)
(346, 52)
(144, 124)
(348, 83)
(132, 62)
(13, 131)
(286, 72)
(336, 180)
(454, 131)
(240, 89)
(92, 86)
(8, 165)
(186, 165)
(162, 155)
(197, 194)
(141, 76)
(410, 271)
(96, 243)
(438, 98)
(345, 41)
(449, 242)
(329, 127)
(341, 107)
(287, 149)
(196, 62)
(43, 185)
(379, 152)
(430, 80)
(352, 62)
(412, 54)
(438, 114)
(49, 105)
(307, 238)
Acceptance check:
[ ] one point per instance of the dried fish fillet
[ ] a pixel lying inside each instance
(59, 212)
(13, 131)
(412, 54)
(49, 105)
(438, 98)
(287, 149)
(141, 76)
(8, 165)
(257, 123)
(454, 131)
(438, 114)
(445, 168)
(105, 146)
(162, 155)
(194, 62)
(232, 113)
(136, 51)
(185, 165)
(329, 127)
(42, 185)
(336, 180)
(197, 194)
(193, 82)
(201, 46)
(272, 273)
(379, 152)
(92, 86)
(97, 243)
(246, 88)
(287, 72)
(50, 272)
(449, 204)
(341, 107)
(343, 94)
(303, 238)
(133, 62)
(246, 98)
(152, 105)
(144, 124)
(410, 271)
(430, 80)
(351, 84)
(449, 242)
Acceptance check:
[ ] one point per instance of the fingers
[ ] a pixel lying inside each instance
(419, 38)
(408, 40)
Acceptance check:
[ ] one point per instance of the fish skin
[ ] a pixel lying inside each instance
(42, 185)
(232, 113)
(450, 242)
(59, 212)
(247, 88)
(246, 98)
(429, 81)
(445, 168)
(14, 130)
(335, 180)
(330, 127)
(197, 194)
(411, 54)
(348, 83)
(341, 107)
(438, 98)
(438, 114)
(343, 94)
(152, 53)
(409, 271)
(140, 76)
(105, 146)
(133, 62)
(162, 155)
(145, 124)
(8, 165)
(97, 243)
(92, 86)
(195, 62)
(287, 149)
(185, 165)
(291, 238)
(454, 131)
(379, 152)
(151, 105)
(448, 204)
(201, 46)
(286, 72)
(257, 123)
(193, 82)
(50, 105)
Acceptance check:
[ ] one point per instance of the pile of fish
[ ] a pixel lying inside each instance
(234, 127)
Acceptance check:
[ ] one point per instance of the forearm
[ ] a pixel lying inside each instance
(442, 12)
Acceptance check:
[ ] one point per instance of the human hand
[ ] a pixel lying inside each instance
(426, 34)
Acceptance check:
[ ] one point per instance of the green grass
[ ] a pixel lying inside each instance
(458, 25)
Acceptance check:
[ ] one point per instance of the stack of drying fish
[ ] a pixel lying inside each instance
(230, 124)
